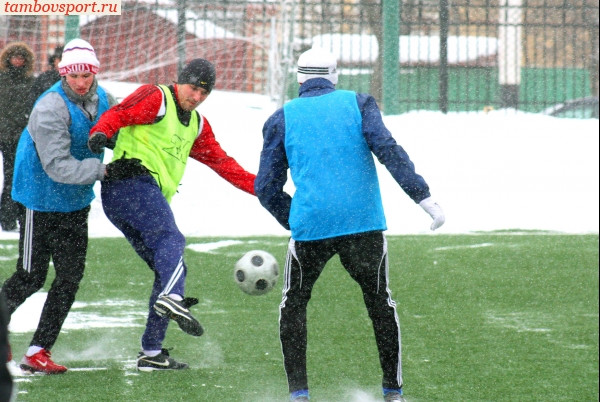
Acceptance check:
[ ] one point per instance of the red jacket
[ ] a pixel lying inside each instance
(143, 107)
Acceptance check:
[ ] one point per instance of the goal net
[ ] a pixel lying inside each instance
(141, 45)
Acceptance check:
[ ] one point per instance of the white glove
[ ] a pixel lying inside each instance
(435, 211)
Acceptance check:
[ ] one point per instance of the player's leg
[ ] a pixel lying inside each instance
(304, 263)
(365, 258)
(138, 208)
(33, 261)
(65, 238)
(156, 326)
(69, 252)
(6, 381)
(153, 356)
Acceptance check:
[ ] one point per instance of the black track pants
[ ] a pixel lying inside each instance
(364, 256)
(62, 236)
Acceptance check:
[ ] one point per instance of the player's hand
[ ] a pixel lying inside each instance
(435, 211)
(112, 142)
(97, 142)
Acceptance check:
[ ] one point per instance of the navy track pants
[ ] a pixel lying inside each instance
(137, 208)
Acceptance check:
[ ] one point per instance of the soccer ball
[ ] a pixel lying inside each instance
(256, 272)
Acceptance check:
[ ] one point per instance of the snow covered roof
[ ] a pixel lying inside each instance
(201, 28)
(355, 48)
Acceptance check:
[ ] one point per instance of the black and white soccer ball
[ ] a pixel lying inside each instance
(256, 273)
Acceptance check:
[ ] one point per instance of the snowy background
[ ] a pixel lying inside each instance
(503, 170)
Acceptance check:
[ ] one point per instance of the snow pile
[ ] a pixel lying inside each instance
(497, 171)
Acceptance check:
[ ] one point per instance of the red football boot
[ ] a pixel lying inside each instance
(41, 362)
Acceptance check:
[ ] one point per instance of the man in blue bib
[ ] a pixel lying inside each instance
(53, 185)
(326, 138)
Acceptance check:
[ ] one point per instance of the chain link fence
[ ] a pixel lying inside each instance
(458, 55)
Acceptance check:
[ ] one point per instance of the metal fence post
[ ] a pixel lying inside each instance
(509, 52)
(443, 72)
(287, 47)
(71, 27)
(391, 56)
(181, 21)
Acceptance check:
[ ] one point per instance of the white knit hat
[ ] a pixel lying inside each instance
(317, 63)
(78, 57)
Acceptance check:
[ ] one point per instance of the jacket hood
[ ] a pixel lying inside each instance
(17, 49)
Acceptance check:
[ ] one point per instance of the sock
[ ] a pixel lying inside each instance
(296, 394)
(388, 390)
(33, 350)
(175, 296)
(152, 353)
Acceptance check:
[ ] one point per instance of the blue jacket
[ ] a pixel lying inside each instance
(272, 174)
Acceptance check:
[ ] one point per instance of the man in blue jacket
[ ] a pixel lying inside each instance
(326, 138)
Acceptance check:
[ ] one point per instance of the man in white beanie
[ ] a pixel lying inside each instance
(53, 181)
(326, 138)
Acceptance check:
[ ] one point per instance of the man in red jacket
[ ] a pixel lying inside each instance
(159, 129)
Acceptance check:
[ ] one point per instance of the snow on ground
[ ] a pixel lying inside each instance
(81, 316)
(496, 171)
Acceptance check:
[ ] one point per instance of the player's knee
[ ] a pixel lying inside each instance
(297, 302)
(68, 285)
(32, 279)
(178, 240)
(377, 301)
(173, 240)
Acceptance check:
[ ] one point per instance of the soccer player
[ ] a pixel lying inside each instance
(326, 138)
(159, 130)
(53, 182)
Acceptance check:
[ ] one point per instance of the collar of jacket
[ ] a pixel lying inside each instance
(184, 115)
(316, 87)
(17, 73)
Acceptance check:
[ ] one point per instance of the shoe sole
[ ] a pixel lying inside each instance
(148, 366)
(32, 370)
(189, 326)
(187, 323)
(151, 369)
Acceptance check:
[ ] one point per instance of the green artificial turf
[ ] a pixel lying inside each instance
(489, 317)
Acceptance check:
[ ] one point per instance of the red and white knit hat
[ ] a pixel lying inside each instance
(78, 57)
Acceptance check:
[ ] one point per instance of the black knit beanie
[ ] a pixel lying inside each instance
(198, 72)
(56, 55)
